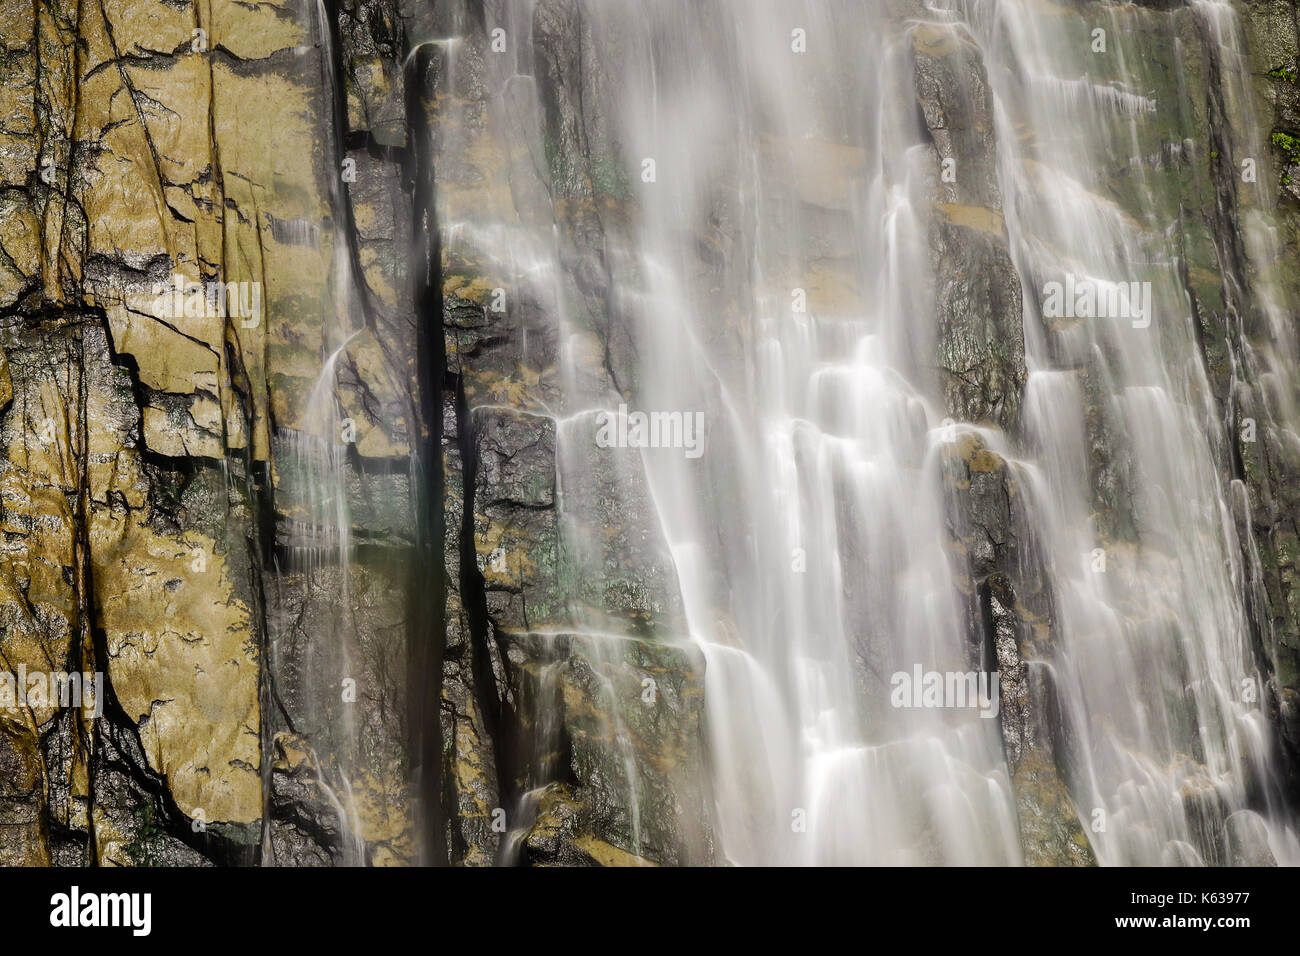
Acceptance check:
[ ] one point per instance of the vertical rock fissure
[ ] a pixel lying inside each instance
(473, 590)
(427, 587)
(339, 199)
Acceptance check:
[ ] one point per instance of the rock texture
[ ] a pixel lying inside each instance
(315, 548)
(155, 528)
(1269, 465)
(560, 746)
(981, 351)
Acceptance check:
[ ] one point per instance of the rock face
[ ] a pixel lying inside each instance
(1010, 622)
(981, 359)
(179, 262)
(561, 746)
(283, 448)
(1265, 457)
(981, 350)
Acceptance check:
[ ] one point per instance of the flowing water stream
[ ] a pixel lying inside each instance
(778, 278)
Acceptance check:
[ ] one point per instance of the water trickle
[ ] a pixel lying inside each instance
(316, 487)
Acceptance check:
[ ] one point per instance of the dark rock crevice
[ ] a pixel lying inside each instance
(426, 607)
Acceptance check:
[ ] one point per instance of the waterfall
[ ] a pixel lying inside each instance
(1153, 653)
(738, 228)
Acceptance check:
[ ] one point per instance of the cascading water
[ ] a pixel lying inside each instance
(826, 570)
(1153, 647)
(777, 277)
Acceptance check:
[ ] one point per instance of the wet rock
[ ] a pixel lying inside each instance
(118, 521)
(1009, 621)
(619, 722)
(556, 837)
(1247, 840)
(980, 342)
